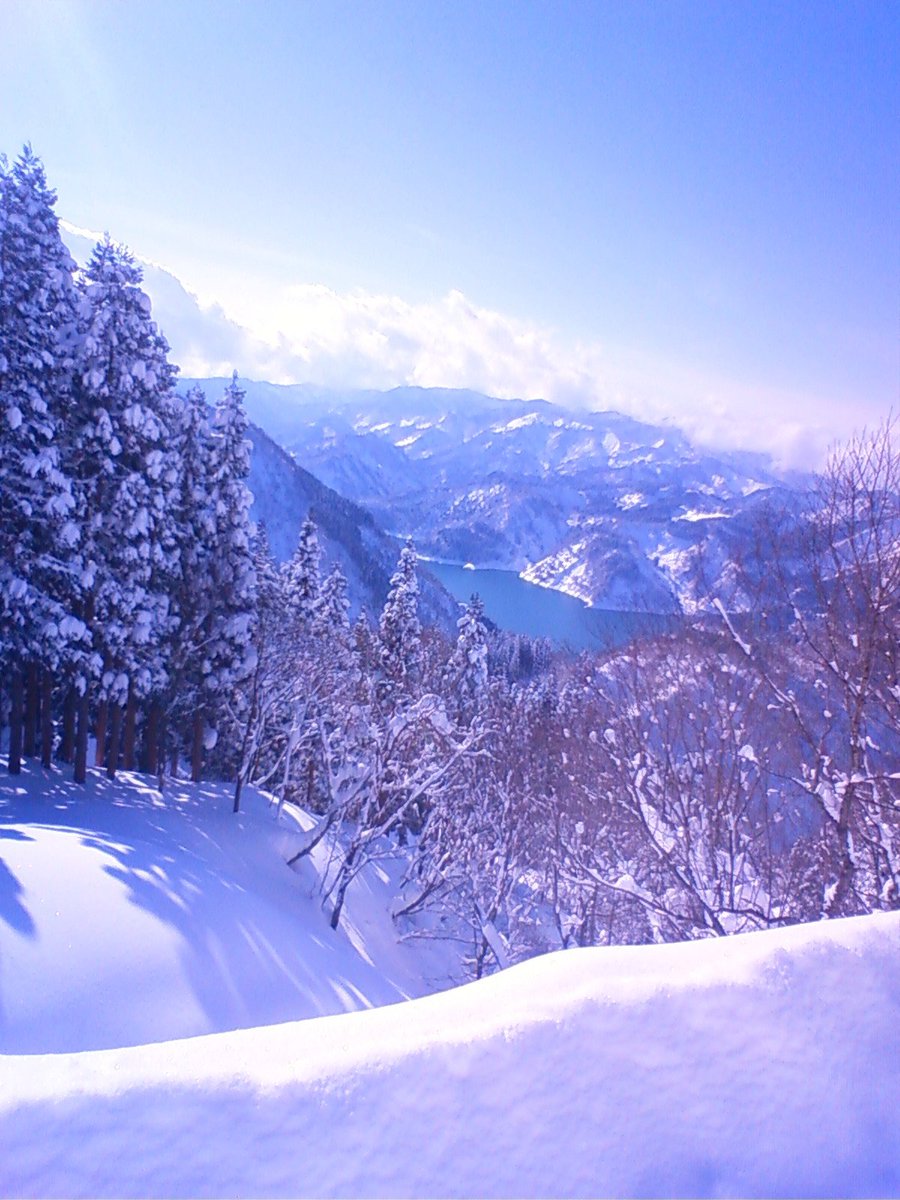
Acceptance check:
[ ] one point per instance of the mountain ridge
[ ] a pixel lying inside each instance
(602, 506)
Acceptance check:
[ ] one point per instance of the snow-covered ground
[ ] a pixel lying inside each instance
(133, 917)
(767, 1064)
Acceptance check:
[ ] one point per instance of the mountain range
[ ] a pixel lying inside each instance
(599, 505)
(616, 512)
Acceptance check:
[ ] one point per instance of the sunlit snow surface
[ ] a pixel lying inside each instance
(762, 1065)
(129, 917)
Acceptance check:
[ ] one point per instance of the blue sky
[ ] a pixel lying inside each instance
(684, 209)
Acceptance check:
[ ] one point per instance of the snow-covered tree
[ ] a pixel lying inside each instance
(834, 677)
(331, 618)
(480, 855)
(302, 577)
(400, 631)
(230, 654)
(270, 599)
(467, 672)
(37, 532)
(681, 775)
(266, 711)
(365, 644)
(125, 479)
(192, 594)
(383, 771)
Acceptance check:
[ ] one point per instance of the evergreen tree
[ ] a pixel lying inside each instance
(331, 620)
(400, 630)
(302, 579)
(467, 671)
(37, 534)
(261, 710)
(193, 597)
(230, 650)
(125, 487)
(270, 601)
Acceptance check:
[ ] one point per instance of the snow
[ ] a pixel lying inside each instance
(228, 936)
(695, 514)
(762, 1064)
(516, 423)
(565, 571)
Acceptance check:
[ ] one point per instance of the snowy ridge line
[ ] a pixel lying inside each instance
(708, 1068)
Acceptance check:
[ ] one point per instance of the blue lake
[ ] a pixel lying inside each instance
(521, 607)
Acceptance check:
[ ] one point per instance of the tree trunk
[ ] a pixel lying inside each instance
(345, 878)
(102, 721)
(130, 735)
(32, 704)
(115, 740)
(16, 702)
(81, 736)
(480, 957)
(150, 741)
(67, 746)
(237, 792)
(161, 749)
(46, 719)
(838, 904)
(197, 746)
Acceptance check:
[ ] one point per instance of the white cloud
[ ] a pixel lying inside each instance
(316, 335)
(308, 333)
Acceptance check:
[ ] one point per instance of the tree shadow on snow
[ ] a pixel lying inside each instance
(242, 917)
(12, 909)
(246, 955)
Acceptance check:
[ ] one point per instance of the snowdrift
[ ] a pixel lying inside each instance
(129, 917)
(765, 1064)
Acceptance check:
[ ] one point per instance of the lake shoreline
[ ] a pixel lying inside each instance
(520, 606)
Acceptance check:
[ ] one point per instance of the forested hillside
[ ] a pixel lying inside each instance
(739, 773)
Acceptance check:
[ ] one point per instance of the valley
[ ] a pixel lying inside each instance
(622, 515)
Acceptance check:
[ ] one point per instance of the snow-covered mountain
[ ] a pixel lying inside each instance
(598, 505)
(284, 494)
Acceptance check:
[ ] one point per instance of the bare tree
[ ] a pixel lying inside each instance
(677, 817)
(825, 643)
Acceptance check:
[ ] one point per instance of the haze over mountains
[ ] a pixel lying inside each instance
(308, 333)
(597, 505)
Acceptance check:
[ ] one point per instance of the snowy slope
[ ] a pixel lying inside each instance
(761, 1065)
(131, 917)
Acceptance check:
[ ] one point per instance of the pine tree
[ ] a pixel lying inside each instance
(270, 600)
(467, 671)
(331, 620)
(260, 711)
(125, 489)
(230, 653)
(192, 592)
(37, 534)
(400, 630)
(302, 578)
